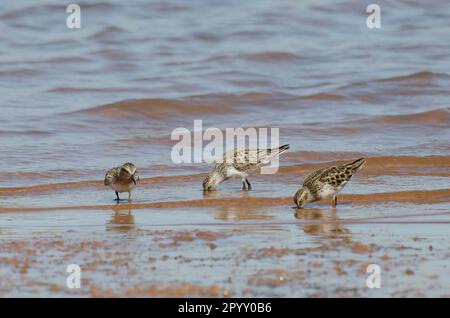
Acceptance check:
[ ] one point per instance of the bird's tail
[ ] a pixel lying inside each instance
(283, 148)
(265, 156)
(356, 165)
(278, 151)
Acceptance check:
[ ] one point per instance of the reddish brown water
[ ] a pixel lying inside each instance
(77, 102)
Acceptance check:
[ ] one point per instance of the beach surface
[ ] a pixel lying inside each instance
(78, 102)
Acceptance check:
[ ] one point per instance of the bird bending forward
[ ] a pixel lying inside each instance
(325, 183)
(122, 179)
(240, 163)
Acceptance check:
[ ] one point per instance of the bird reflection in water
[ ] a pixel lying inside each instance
(322, 223)
(222, 195)
(238, 213)
(234, 210)
(122, 220)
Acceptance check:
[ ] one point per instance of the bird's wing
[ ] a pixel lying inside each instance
(234, 157)
(337, 176)
(246, 159)
(251, 158)
(111, 175)
(313, 176)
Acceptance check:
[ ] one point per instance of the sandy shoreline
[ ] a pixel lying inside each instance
(126, 253)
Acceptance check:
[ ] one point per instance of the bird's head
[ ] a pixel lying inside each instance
(131, 169)
(302, 196)
(212, 180)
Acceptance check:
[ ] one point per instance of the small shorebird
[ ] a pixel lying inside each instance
(240, 163)
(122, 179)
(326, 182)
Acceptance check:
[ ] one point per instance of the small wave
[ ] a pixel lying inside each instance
(434, 117)
(155, 108)
(413, 197)
(271, 57)
(86, 184)
(210, 104)
(419, 76)
(206, 37)
(21, 73)
(49, 187)
(66, 60)
(375, 166)
(24, 133)
(315, 156)
(402, 161)
(69, 89)
(115, 54)
(323, 96)
(108, 32)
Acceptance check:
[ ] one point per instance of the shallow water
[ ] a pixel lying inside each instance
(77, 102)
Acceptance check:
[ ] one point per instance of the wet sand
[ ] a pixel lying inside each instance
(231, 243)
(115, 90)
(196, 252)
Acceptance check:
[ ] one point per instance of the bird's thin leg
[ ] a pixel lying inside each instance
(117, 196)
(244, 185)
(249, 186)
(129, 196)
(334, 201)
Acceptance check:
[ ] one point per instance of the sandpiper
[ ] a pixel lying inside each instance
(326, 182)
(122, 179)
(240, 163)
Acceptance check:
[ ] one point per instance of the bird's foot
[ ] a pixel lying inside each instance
(334, 202)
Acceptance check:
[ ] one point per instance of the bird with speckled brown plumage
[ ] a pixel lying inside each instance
(326, 182)
(240, 163)
(122, 179)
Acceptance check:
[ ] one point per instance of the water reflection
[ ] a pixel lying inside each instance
(122, 220)
(235, 211)
(322, 222)
(225, 195)
(238, 213)
(211, 194)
